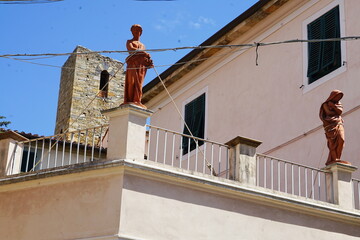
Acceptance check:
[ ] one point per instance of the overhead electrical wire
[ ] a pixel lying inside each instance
(255, 44)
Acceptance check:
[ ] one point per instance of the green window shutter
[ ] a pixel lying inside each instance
(331, 30)
(324, 57)
(314, 48)
(195, 119)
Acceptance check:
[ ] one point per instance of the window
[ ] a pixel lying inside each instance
(104, 84)
(324, 57)
(27, 161)
(195, 119)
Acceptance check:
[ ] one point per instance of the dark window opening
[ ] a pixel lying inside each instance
(104, 84)
(324, 57)
(195, 119)
(29, 160)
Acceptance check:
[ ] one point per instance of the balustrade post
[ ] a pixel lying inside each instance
(127, 132)
(339, 184)
(10, 153)
(242, 159)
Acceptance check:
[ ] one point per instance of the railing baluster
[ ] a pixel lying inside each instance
(292, 178)
(196, 158)
(28, 158)
(63, 150)
(181, 149)
(78, 147)
(272, 173)
(48, 161)
(100, 140)
(219, 160)
(306, 183)
(42, 155)
(285, 176)
(149, 144)
(188, 154)
(93, 145)
(312, 184)
(56, 151)
(325, 187)
(279, 173)
(227, 162)
(299, 184)
(86, 142)
(204, 157)
(212, 160)
(35, 154)
(157, 145)
(173, 150)
(319, 178)
(257, 170)
(265, 178)
(70, 150)
(165, 139)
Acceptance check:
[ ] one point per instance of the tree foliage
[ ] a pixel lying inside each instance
(4, 123)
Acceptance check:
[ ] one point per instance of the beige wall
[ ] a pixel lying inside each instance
(138, 201)
(64, 207)
(265, 102)
(164, 209)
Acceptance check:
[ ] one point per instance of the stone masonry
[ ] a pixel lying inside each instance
(80, 98)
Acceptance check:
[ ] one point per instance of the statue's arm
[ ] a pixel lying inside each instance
(327, 110)
(338, 109)
(131, 46)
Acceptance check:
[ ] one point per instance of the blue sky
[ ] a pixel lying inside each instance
(29, 92)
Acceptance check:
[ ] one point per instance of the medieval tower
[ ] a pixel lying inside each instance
(89, 83)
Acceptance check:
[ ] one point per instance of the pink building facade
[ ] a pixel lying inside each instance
(265, 93)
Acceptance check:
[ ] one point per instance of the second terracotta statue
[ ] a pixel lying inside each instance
(330, 115)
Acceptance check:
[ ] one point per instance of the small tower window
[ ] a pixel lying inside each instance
(104, 84)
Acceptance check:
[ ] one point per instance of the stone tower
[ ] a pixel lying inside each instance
(89, 83)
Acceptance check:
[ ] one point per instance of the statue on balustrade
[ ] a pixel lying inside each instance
(330, 115)
(137, 62)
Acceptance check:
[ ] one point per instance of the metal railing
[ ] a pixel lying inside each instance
(293, 178)
(356, 193)
(60, 150)
(181, 150)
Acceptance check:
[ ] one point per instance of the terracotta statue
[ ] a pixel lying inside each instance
(330, 115)
(137, 64)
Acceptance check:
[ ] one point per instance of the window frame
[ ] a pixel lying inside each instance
(309, 86)
(188, 100)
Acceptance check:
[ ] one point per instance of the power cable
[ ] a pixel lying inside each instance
(349, 38)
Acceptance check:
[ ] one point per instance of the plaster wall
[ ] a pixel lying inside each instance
(265, 101)
(158, 209)
(76, 206)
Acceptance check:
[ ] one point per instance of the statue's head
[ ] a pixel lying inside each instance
(136, 28)
(335, 96)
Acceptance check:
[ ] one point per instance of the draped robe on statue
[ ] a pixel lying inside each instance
(330, 115)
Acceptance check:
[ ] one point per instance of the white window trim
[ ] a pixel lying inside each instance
(307, 87)
(188, 100)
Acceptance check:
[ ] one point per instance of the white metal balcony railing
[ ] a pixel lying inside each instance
(356, 193)
(61, 150)
(177, 150)
(293, 178)
(180, 150)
